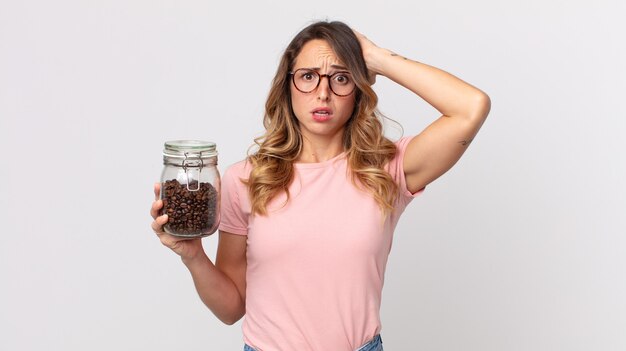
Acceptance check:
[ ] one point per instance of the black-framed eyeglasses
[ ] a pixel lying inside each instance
(306, 80)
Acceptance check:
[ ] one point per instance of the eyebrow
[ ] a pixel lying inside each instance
(332, 66)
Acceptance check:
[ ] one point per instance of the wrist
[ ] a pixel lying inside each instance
(200, 259)
(376, 59)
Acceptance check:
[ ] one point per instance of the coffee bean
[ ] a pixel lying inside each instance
(191, 213)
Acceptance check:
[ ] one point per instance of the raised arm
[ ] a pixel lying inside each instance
(463, 107)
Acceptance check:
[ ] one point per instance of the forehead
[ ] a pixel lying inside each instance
(317, 53)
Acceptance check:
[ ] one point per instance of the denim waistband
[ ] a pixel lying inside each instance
(376, 344)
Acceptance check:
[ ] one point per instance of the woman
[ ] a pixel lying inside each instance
(307, 219)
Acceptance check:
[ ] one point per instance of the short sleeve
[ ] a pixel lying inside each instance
(396, 170)
(234, 206)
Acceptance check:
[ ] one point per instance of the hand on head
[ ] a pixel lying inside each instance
(368, 47)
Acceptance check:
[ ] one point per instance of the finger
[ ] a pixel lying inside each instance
(158, 223)
(155, 209)
(170, 241)
(157, 190)
(372, 77)
(362, 38)
(357, 33)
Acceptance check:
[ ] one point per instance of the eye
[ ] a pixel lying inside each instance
(342, 78)
(307, 76)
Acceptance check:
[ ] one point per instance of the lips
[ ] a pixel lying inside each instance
(322, 114)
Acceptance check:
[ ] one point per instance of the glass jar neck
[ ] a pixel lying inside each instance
(189, 161)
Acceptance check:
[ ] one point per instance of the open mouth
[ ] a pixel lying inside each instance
(322, 114)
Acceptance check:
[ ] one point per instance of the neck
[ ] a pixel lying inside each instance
(315, 150)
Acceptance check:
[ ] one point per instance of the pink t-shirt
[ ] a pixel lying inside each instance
(316, 264)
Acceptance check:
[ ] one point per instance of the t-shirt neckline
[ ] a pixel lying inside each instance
(308, 165)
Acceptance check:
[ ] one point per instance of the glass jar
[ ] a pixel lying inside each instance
(190, 188)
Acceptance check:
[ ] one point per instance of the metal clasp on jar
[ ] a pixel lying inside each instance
(192, 169)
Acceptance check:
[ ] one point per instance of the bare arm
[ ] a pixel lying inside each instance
(221, 286)
(464, 108)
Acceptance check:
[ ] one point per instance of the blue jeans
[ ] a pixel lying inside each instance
(376, 344)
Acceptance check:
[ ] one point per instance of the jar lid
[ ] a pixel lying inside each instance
(189, 148)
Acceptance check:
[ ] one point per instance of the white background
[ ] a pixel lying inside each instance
(521, 246)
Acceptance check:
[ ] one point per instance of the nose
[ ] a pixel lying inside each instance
(323, 90)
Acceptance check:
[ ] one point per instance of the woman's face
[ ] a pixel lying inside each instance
(321, 112)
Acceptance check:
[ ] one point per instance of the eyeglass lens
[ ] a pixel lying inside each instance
(306, 80)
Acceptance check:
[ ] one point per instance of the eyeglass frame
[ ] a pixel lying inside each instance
(329, 76)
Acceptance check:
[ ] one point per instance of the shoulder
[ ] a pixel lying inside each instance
(239, 169)
(401, 146)
(235, 175)
(234, 204)
(395, 167)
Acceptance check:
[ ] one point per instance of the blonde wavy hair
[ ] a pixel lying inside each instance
(367, 149)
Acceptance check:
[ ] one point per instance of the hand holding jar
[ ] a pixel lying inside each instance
(187, 199)
(186, 248)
